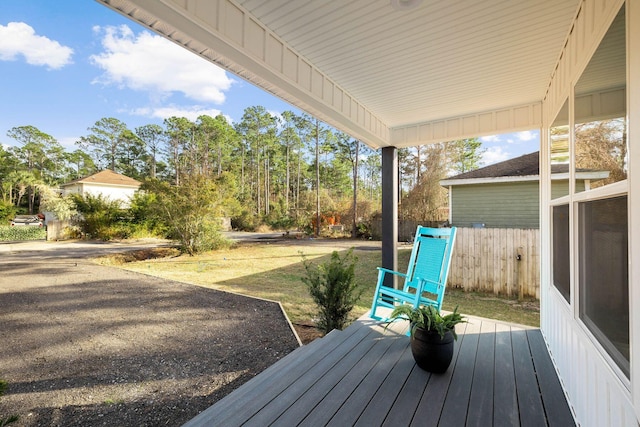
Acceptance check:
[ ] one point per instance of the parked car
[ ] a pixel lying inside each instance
(28, 220)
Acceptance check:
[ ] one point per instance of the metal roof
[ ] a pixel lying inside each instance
(399, 66)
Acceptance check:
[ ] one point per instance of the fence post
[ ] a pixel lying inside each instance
(520, 273)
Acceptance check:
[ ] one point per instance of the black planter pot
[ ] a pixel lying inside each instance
(432, 353)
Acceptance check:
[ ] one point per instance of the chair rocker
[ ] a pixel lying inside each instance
(426, 276)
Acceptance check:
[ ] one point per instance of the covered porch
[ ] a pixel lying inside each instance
(402, 73)
(365, 375)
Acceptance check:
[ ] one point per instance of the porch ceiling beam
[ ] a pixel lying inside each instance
(504, 120)
(222, 32)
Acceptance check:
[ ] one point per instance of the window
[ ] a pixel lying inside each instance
(589, 218)
(559, 147)
(600, 113)
(604, 275)
(561, 265)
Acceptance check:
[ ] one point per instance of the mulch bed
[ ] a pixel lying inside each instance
(88, 345)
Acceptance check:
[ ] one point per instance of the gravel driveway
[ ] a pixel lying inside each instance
(88, 345)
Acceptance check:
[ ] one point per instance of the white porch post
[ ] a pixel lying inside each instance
(633, 134)
(390, 212)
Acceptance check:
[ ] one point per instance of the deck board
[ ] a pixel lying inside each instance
(403, 409)
(380, 404)
(529, 401)
(554, 399)
(480, 411)
(501, 374)
(350, 410)
(322, 387)
(297, 388)
(347, 386)
(456, 404)
(505, 401)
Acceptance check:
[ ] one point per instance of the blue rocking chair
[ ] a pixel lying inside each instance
(426, 276)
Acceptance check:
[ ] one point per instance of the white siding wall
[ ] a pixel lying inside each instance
(121, 194)
(598, 394)
(595, 392)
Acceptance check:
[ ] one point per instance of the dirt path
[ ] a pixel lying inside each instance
(88, 345)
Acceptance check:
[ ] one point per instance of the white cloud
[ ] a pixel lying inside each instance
(526, 135)
(147, 62)
(494, 155)
(18, 38)
(190, 113)
(69, 142)
(490, 138)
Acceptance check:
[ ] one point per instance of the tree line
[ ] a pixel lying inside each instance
(285, 170)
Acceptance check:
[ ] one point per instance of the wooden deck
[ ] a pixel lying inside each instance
(501, 375)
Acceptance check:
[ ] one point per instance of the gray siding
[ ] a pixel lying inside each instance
(503, 205)
(561, 188)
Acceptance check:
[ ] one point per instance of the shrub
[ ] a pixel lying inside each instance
(246, 221)
(364, 230)
(146, 223)
(100, 216)
(115, 231)
(190, 210)
(278, 217)
(333, 288)
(7, 212)
(62, 207)
(8, 233)
(205, 237)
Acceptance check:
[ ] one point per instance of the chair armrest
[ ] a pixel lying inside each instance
(421, 280)
(385, 270)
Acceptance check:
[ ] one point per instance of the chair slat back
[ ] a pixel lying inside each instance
(431, 260)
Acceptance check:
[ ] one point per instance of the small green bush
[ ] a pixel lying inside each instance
(143, 217)
(12, 234)
(7, 212)
(208, 238)
(103, 218)
(333, 288)
(115, 231)
(364, 230)
(278, 217)
(246, 221)
(190, 210)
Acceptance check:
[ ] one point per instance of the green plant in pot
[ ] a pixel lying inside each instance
(432, 335)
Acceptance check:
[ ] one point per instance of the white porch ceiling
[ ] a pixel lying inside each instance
(442, 70)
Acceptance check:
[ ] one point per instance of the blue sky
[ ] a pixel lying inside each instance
(66, 64)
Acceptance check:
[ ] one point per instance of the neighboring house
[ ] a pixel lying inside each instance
(106, 183)
(507, 194)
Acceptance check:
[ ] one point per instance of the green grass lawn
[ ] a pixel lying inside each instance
(274, 271)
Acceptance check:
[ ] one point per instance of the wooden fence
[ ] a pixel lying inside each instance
(503, 261)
